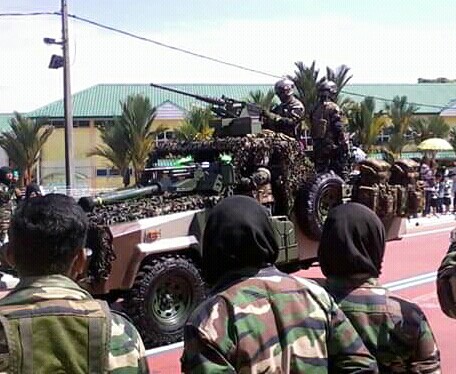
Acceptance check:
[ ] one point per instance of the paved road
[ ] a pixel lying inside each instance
(409, 269)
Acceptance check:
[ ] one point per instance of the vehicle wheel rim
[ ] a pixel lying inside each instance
(328, 199)
(171, 300)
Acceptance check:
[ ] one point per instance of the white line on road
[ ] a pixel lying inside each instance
(427, 232)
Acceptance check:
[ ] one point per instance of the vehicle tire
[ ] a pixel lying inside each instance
(314, 200)
(164, 294)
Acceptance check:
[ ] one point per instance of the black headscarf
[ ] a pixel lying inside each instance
(32, 188)
(353, 242)
(238, 234)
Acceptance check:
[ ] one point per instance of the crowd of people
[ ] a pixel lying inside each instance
(439, 188)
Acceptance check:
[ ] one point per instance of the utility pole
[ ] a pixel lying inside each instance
(68, 103)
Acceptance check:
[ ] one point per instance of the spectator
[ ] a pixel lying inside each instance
(32, 190)
(52, 322)
(439, 193)
(427, 175)
(447, 191)
(394, 330)
(258, 319)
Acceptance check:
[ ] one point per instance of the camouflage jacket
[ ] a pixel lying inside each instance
(290, 117)
(126, 349)
(446, 282)
(271, 322)
(6, 209)
(396, 331)
(327, 121)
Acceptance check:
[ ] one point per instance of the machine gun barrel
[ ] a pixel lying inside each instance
(88, 203)
(206, 99)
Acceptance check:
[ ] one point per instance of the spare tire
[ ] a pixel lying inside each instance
(314, 200)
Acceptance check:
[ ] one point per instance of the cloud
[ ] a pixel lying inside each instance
(376, 53)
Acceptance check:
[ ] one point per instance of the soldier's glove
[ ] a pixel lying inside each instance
(269, 115)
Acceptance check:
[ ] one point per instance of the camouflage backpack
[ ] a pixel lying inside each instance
(56, 336)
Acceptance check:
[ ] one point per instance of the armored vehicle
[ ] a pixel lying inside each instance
(146, 241)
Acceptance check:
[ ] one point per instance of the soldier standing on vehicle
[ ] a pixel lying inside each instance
(258, 319)
(286, 117)
(49, 324)
(394, 330)
(330, 146)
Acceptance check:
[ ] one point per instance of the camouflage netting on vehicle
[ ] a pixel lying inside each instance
(284, 156)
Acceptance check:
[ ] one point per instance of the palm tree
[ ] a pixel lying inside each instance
(137, 118)
(115, 148)
(366, 124)
(400, 112)
(23, 143)
(196, 125)
(431, 127)
(264, 100)
(339, 76)
(306, 80)
(452, 137)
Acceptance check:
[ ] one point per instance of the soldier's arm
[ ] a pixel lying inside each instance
(346, 351)
(446, 282)
(206, 340)
(201, 354)
(126, 348)
(426, 358)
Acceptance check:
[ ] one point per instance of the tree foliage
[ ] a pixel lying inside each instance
(431, 127)
(307, 81)
(134, 125)
(23, 143)
(196, 125)
(365, 124)
(264, 100)
(401, 113)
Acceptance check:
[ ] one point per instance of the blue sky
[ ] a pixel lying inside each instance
(382, 41)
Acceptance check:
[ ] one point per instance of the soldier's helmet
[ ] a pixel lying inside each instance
(328, 87)
(284, 87)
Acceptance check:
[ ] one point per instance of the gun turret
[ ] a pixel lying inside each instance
(235, 117)
(88, 203)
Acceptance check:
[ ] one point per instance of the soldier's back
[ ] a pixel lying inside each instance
(273, 322)
(394, 330)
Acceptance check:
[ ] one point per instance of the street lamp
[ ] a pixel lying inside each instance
(55, 63)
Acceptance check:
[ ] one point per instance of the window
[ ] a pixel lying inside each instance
(102, 172)
(165, 136)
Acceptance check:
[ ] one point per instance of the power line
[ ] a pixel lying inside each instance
(390, 101)
(29, 14)
(195, 54)
(186, 51)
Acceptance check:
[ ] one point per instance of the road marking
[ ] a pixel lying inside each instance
(165, 348)
(427, 232)
(392, 286)
(411, 282)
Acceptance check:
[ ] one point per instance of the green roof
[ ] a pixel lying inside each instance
(103, 100)
(5, 121)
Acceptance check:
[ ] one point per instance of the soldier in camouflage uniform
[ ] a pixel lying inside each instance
(57, 325)
(446, 280)
(258, 319)
(394, 330)
(6, 201)
(330, 147)
(286, 117)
